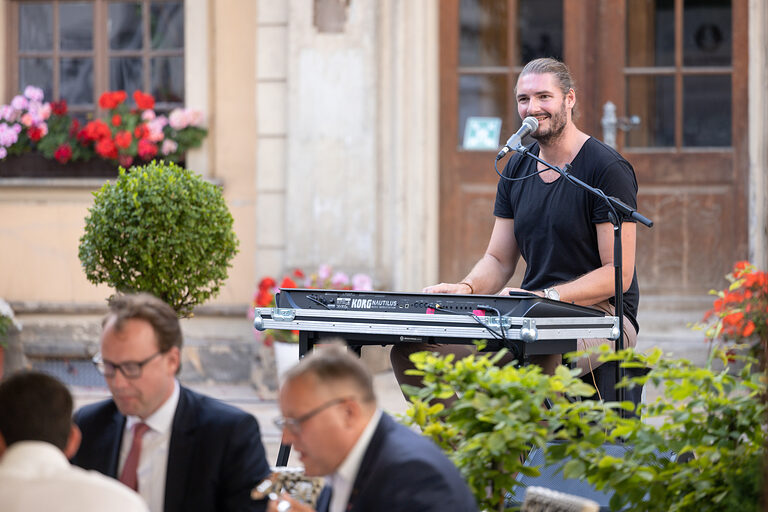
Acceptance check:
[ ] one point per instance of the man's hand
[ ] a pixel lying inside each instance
(507, 290)
(448, 288)
(287, 504)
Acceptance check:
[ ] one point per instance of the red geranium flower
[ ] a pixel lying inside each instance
(116, 120)
(147, 149)
(141, 131)
(125, 160)
(63, 153)
(267, 283)
(143, 101)
(106, 148)
(59, 108)
(111, 99)
(123, 139)
(35, 133)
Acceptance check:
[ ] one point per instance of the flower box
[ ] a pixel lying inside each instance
(35, 165)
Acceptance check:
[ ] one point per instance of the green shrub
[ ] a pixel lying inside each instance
(159, 229)
(499, 415)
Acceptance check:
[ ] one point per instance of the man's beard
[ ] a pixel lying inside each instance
(557, 122)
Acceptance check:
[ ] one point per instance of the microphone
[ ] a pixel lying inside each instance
(530, 124)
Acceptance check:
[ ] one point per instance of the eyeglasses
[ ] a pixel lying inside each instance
(130, 369)
(294, 424)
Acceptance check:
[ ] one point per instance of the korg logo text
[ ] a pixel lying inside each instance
(361, 303)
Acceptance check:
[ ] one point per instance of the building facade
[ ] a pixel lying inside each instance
(337, 131)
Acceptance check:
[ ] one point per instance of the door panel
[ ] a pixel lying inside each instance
(681, 66)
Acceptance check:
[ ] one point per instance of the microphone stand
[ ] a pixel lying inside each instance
(617, 212)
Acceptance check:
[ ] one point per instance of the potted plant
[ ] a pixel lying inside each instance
(159, 229)
(285, 342)
(739, 314)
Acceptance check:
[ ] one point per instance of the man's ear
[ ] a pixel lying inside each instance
(73, 441)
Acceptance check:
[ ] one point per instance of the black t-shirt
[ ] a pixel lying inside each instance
(555, 222)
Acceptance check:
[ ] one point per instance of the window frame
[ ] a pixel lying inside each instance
(100, 53)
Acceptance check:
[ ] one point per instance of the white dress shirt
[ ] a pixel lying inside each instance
(153, 462)
(37, 477)
(343, 478)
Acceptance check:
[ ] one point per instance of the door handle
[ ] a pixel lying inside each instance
(610, 123)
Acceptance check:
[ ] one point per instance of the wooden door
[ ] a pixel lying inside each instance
(681, 67)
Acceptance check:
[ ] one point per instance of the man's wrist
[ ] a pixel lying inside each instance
(468, 285)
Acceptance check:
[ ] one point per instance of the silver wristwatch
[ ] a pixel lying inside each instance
(551, 294)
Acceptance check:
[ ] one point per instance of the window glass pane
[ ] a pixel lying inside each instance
(540, 29)
(653, 99)
(482, 33)
(125, 74)
(76, 81)
(484, 96)
(167, 25)
(707, 110)
(650, 33)
(707, 38)
(124, 26)
(37, 72)
(167, 79)
(36, 26)
(76, 25)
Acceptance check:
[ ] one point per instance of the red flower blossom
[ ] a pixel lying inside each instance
(111, 99)
(35, 133)
(59, 108)
(74, 128)
(298, 273)
(63, 153)
(267, 283)
(116, 120)
(125, 160)
(141, 131)
(264, 298)
(123, 139)
(96, 130)
(739, 314)
(288, 283)
(147, 149)
(143, 101)
(106, 148)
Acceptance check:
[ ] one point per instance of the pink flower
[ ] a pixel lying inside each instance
(33, 93)
(323, 272)
(155, 128)
(339, 279)
(19, 102)
(9, 135)
(3, 152)
(178, 119)
(362, 282)
(168, 147)
(27, 120)
(148, 115)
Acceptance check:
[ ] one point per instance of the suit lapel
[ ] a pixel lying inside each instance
(369, 461)
(180, 450)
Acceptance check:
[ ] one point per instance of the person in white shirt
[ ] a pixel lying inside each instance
(37, 437)
(372, 463)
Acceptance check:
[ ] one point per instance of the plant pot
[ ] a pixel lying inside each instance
(286, 356)
(35, 165)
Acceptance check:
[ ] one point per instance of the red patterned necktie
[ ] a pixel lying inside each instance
(128, 476)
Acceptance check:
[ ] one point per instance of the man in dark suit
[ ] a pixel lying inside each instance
(182, 451)
(372, 463)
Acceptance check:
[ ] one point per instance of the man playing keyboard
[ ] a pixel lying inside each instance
(562, 232)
